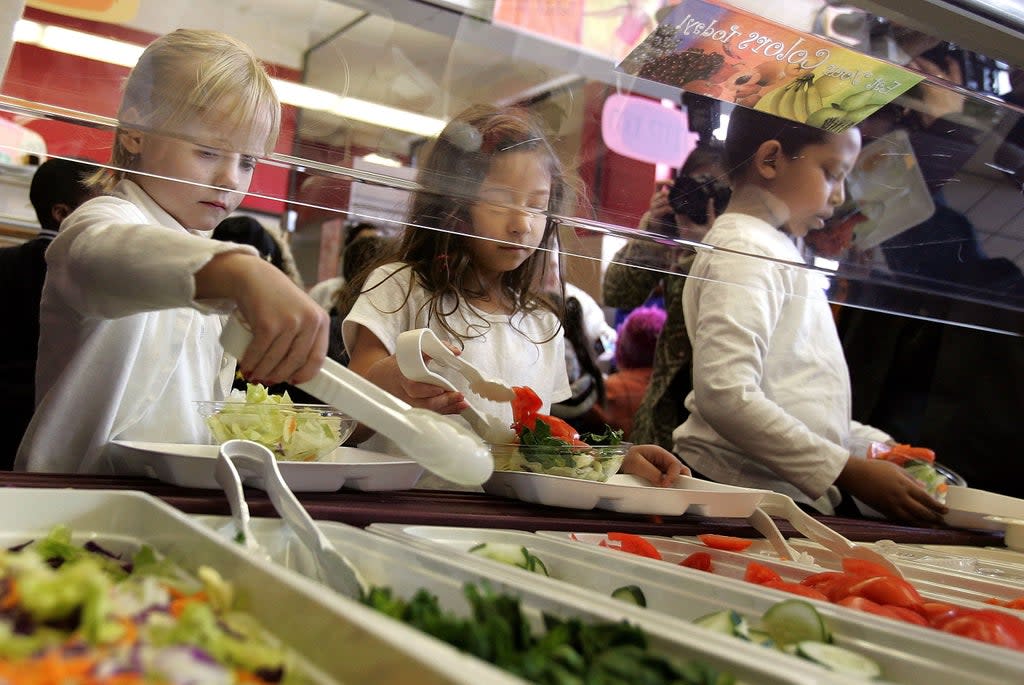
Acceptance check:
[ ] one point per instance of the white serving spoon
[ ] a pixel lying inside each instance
(440, 444)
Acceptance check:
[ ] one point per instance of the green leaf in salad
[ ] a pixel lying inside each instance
(611, 436)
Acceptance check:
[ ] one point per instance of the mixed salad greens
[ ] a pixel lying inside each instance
(568, 652)
(547, 444)
(73, 615)
(919, 462)
(292, 432)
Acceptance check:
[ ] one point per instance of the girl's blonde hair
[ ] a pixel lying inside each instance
(452, 171)
(192, 73)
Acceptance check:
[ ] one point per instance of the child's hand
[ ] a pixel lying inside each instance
(653, 463)
(892, 491)
(289, 330)
(386, 374)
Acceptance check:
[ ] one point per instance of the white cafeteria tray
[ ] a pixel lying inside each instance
(363, 646)
(192, 466)
(384, 561)
(627, 494)
(913, 655)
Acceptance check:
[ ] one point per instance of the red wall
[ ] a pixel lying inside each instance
(86, 85)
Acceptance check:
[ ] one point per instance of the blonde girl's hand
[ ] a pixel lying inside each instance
(653, 463)
(889, 489)
(289, 330)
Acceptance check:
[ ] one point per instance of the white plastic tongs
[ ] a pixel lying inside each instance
(409, 350)
(238, 457)
(782, 506)
(439, 443)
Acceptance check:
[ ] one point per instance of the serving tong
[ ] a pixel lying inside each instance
(409, 350)
(783, 506)
(238, 458)
(439, 443)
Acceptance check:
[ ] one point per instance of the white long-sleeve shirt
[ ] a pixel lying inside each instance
(124, 348)
(770, 406)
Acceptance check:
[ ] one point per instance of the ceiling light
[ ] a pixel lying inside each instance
(374, 158)
(112, 51)
(390, 117)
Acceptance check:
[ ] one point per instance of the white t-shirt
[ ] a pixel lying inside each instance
(770, 406)
(124, 348)
(519, 349)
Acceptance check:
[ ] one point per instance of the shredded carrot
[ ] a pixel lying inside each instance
(11, 597)
(178, 605)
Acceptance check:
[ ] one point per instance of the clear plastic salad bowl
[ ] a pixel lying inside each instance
(293, 432)
(588, 462)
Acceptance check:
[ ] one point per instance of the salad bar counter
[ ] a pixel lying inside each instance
(429, 507)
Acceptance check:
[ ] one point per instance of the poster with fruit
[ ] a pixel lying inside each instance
(724, 53)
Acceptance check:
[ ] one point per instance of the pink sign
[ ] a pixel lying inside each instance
(645, 130)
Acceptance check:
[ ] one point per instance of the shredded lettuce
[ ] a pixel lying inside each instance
(292, 432)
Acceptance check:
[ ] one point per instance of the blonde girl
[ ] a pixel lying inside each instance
(131, 309)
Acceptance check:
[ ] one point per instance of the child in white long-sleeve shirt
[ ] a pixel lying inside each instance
(132, 306)
(467, 268)
(770, 406)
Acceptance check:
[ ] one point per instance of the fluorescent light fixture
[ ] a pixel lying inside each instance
(390, 117)
(95, 47)
(26, 31)
(374, 158)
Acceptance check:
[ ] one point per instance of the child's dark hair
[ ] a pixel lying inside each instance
(750, 128)
(452, 170)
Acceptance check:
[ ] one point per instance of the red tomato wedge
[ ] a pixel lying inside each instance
(863, 567)
(888, 590)
(698, 560)
(759, 574)
(634, 544)
(940, 613)
(525, 405)
(795, 589)
(989, 625)
(725, 542)
(908, 615)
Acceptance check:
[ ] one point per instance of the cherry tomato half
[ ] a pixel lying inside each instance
(698, 560)
(635, 544)
(759, 574)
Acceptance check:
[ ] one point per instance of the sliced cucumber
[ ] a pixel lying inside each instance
(761, 637)
(794, 620)
(630, 593)
(513, 555)
(727, 622)
(839, 659)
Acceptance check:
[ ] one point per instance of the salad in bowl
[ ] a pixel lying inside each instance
(293, 432)
(546, 444)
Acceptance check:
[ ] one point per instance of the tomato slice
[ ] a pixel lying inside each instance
(698, 560)
(888, 590)
(989, 625)
(759, 574)
(525, 404)
(940, 613)
(863, 567)
(908, 615)
(725, 542)
(634, 544)
(795, 589)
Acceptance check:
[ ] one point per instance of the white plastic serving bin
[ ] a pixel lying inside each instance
(907, 654)
(339, 640)
(385, 561)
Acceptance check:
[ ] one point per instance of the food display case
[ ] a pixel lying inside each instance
(922, 263)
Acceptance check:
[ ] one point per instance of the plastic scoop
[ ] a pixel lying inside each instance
(255, 460)
(229, 480)
(409, 352)
(784, 507)
(437, 442)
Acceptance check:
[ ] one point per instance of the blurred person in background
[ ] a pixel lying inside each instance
(325, 293)
(698, 194)
(57, 188)
(271, 244)
(634, 358)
